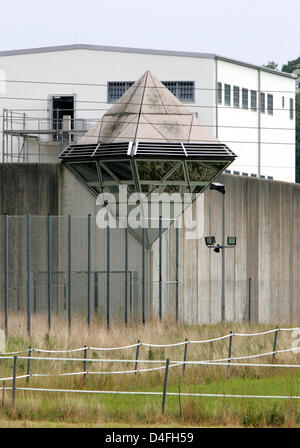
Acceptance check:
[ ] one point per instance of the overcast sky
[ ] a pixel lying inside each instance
(255, 31)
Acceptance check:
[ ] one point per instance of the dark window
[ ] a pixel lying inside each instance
(236, 96)
(245, 98)
(262, 103)
(227, 94)
(270, 104)
(183, 90)
(291, 109)
(62, 116)
(219, 93)
(253, 100)
(116, 89)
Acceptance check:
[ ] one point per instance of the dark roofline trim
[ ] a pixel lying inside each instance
(188, 54)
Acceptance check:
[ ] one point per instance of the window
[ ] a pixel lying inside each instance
(62, 116)
(116, 90)
(282, 102)
(227, 94)
(245, 98)
(219, 93)
(236, 96)
(270, 104)
(262, 102)
(183, 90)
(253, 100)
(291, 109)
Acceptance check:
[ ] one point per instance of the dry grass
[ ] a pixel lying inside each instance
(89, 410)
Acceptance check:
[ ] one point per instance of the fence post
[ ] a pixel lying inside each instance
(249, 300)
(96, 278)
(143, 274)
(165, 387)
(28, 364)
(185, 355)
(137, 356)
(14, 381)
(85, 363)
(177, 271)
(6, 274)
(70, 272)
(89, 271)
(28, 274)
(108, 277)
(126, 271)
(49, 272)
(275, 342)
(230, 346)
(160, 268)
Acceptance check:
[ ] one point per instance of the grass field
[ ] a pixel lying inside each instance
(61, 409)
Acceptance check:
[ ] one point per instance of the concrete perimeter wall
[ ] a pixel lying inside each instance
(264, 215)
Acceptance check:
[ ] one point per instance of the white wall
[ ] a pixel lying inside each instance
(97, 67)
(240, 127)
(237, 127)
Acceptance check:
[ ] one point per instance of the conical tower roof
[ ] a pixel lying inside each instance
(148, 112)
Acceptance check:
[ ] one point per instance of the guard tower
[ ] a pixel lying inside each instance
(150, 142)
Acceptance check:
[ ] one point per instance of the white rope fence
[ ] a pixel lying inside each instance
(145, 344)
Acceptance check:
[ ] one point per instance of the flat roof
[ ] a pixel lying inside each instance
(189, 54)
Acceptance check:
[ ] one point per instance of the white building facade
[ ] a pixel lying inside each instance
(51, 96)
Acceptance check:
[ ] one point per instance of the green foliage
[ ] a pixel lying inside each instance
(252, 417)
(272, 65)
(150, 354)
(291, 65)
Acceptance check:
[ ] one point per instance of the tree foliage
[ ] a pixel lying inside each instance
(272, 65)
(291, 65)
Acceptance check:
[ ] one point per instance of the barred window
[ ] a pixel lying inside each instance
(236, 96)
(245, 98)
(171, 86)
(262, 103)
(219, 93)
(116, 89)
(183, 90)
(227, 94)
(253, 100)
(270, 104)
(291, 108)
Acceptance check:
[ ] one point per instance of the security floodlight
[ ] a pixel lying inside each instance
(217, 248)
(218, 187)
(231, 240)
(210, 240)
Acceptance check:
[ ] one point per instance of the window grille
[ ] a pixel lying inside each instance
(227, 94)
(253, 100)
(262, 103)
(219, 93)
(270, 103)
(236, 96)
(117, 89)
(183, 90)
(291, 108)
(245, 98)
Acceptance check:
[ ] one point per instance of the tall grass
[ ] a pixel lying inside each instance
(124, 410)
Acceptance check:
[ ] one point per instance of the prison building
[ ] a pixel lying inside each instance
(51, 96)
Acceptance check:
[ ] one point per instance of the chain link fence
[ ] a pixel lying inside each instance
(66, 266)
